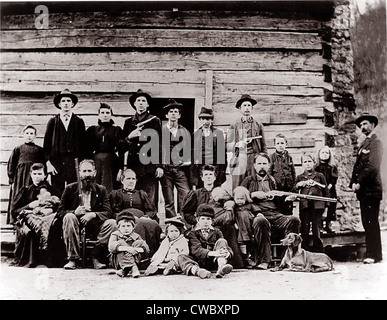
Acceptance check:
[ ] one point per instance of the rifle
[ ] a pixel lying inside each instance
(79, 182)
(274, 193)
(234, 158)
(145, 121)
(83, 230)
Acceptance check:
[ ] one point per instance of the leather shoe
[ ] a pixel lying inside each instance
(223, 270)
(203, 273)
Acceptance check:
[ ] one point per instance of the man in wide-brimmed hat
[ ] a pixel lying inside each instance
(209, 149)
(245, 139)
(176, 154)
(134, 127)
(64, 140)
(366, 182)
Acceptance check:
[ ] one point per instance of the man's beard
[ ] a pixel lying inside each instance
(262, 173)
(87, 183)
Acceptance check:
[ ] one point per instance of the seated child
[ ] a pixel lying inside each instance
(170, 248)
(209, 250)
(126, 246)
(245, 211)
(47, 203)
(224, 214)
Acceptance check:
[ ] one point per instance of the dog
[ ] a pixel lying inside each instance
(298, 259)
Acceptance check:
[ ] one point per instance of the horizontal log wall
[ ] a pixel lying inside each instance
(210, 56)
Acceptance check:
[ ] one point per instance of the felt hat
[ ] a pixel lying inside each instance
(243, 98)
(126, 214)
(65, 93)
(139, 93)
(205, 210)
(366, 116)
(206, 113)
(172, 104)
(177, 221)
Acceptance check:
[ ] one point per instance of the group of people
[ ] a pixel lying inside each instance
(209, 227)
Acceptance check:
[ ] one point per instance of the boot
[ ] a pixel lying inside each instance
(200, 272)
(223, 270)
(248, 263)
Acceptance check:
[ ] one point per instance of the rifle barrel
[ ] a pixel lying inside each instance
(79, 182)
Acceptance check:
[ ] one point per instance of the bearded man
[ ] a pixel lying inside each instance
(260, 186)
(90, 208)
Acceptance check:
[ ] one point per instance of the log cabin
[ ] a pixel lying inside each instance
(293, 57)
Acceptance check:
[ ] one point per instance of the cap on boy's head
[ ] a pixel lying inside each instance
(139, 93)
(205, 210)
(176, 221)
(243, 98)
(38, 166)
(126, 214)
(172, 104)
(65, 93)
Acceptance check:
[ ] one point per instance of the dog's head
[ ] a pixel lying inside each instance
(292, 240)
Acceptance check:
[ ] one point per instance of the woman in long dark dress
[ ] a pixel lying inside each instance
(104, 143)
(33, 211)
(20, 162)
(128, 196)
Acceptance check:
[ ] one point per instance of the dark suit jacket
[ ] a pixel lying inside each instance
(199, 246)
(99, 201)
(58, 141)
(366, 171)
(134, 145)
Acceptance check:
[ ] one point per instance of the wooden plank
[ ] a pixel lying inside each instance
(178, 19)
(288, 118)
(230, 98)
(177, 90)
(272, 78)
(257, 89)
(312, 112)
(126, 76)
(252, 60)
(157, 38)
(230, 116)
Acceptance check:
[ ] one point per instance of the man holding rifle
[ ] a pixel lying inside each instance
(148, 175)
(245, 138)
(262, 187)
(89, 208)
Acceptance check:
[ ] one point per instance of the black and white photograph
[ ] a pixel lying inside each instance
(193, 155)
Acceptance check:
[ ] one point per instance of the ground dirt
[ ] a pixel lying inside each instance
(350, 280)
